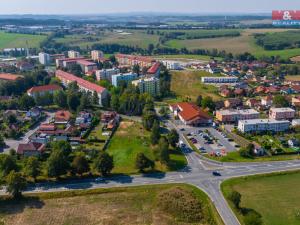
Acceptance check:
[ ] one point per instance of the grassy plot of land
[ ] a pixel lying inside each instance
(96, 139)
(12, 40)
(186, 57)
(129, 140)
(188, 84)
(293, 77)
(275, 197)
(134, 205)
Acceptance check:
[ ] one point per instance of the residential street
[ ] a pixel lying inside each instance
(198, 173)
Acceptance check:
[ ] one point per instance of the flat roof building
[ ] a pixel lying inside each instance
(262, 125)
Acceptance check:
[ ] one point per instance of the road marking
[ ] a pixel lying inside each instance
(180, 175)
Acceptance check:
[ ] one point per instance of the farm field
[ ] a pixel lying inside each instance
(186, 57)
(240, 44)
(12, 40)
(187, 84)
(134, 205)
(129, 140)
(273, 196)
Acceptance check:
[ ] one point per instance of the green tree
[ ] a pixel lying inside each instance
(26, 102)
(60, 99)
(155, 133)
(63, 146)
(73, 101)
(31, 167)
(150, 48)
(84, 102)
(80, 165)
(162, 151)
(148, 118)
(16, 183)
(76, 70)
(253, 218)
(115, 102)
(2, 142)
(199, 101)
(235, 198)
(142, 162)
(95, 99)
(280, 101)
(57, 164)
(7, 164)
(207, 102)
(163, 111)
(103, 163)
(173, 138)
(136, 69)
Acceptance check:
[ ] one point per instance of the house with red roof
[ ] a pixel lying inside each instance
(87, 66)
(131, 60)
(62, 116)
(10, 77)
(190, 114)
(31, 149)
(42, 90)
(154, 70)
(84, 85)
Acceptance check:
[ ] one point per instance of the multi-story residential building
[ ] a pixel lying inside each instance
(172, 65)
(106, 74)
(233, 102)
(66, 63)
(126, 77)
(44, 58)
(190, 114)
(87, 66)
(262, 125)
(148, 85)
(282, 113)
(73, 54)
(232, 115)
(131, 60)
(84, 85)
(267, 101)
(42, 90)
(96, 55)
(219, 80)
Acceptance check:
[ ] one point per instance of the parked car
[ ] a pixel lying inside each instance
(216, 173)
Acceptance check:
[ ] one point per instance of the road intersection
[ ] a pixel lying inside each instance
(198, 172)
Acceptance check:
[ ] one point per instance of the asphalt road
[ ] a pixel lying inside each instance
(198, 173)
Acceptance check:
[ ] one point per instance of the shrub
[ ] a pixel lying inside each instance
(253, 218)
(181, 204)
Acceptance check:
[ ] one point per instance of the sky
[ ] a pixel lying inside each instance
(125, 6)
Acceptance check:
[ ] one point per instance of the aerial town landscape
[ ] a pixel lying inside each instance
(122, 113)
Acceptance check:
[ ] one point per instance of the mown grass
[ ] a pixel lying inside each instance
(126, 205)
(186, 57)
(274, 196)
(129, 140)
(13, 40)
(187, 84)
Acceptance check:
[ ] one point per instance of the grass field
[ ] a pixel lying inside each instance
(129, 140)
(275, 197)
(186, 57)
(293, 78)
(114, 206)
(188, 84)
(241, 44)
(12, 40)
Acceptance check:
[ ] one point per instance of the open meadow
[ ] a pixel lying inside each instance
(114, 206)
(275, 197)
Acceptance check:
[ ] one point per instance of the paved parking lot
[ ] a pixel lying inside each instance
(219, 143)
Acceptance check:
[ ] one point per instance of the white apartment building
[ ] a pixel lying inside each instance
(261, 125)
(282, 113)
(126, 77)
(219, 80)
(44, 58)
(172, 65)
(233, 115)
(148, 85)
(96, 54)
(106, 74)
(73, 54)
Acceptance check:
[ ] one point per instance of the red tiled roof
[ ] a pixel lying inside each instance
(86, 63)
(190, 111)
(81, 82)
(10, 77)
(154, 68)
(51, 87)
(32, 146)
(62, 115)
(134, 57)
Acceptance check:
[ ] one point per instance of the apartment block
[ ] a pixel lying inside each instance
(148, 85)
(282, 113)
(127, 77)
(106, 74)
(262, 125)
(233, 116)
(73, 54)
(96, 55)
(219, 80)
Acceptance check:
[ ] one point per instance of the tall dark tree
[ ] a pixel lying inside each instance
(80, 164)
(199, 101)
(136, 69)
(207, 102)
(26, 102)
(60, 99)
(142, 162)
(95, 99)
(173, 138)
(155, 133)
(16, 183)
(235, 197)
(162, 151)
(7, 164)
(57, 164)
(31, 167)
(73, 101)
(103, 163)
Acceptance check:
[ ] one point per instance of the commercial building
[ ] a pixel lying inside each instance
(148, 85)
(84, 85)
(190, 114)
(126, 77)
(232, 115)
(132, 60)
(96, 55)
(219, 80)
(106, 74)
(73, 54)
(172, 65)
(282, 113)
(262, 125)
(42, 90)
(44, 58)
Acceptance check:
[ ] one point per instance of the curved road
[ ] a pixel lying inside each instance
(198, 173)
